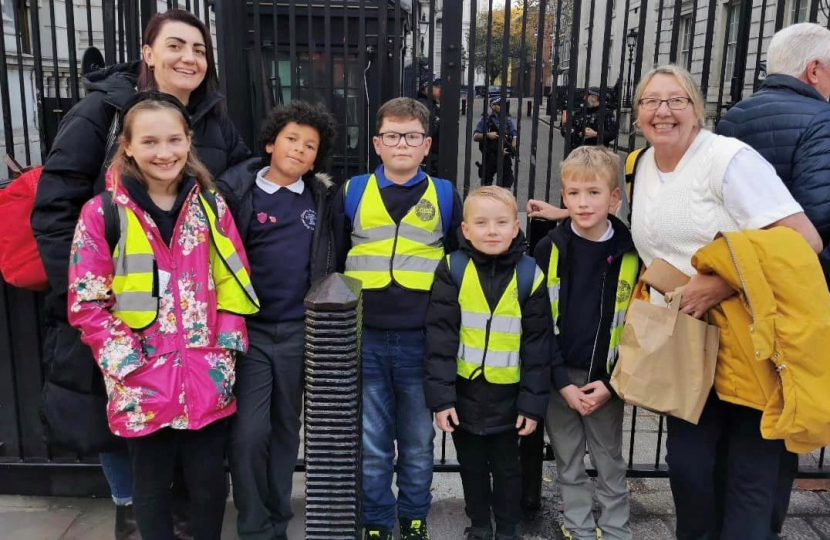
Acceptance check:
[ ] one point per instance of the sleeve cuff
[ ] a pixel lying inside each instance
(560, 377)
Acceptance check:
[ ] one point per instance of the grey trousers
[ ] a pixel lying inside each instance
(602, 431)
(265, 435)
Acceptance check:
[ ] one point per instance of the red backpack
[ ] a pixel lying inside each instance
(20, 262)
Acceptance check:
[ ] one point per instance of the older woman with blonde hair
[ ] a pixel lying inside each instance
(689, 186)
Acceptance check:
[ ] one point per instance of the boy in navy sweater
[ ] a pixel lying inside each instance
(591, 267)
(391, 230)
(281, 209)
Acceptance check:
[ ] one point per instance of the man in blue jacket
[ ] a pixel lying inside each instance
(788, 122)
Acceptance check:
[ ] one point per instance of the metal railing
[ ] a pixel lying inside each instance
(353, 55)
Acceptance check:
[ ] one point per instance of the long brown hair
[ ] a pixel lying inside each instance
(146, 77)
(122, 164)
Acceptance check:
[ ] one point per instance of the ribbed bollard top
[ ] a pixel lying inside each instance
(333, 427)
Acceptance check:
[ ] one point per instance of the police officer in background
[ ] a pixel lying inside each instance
(585, 129)
(487, 134)
(433, 105)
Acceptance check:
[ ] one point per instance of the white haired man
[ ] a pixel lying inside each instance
(788, 122)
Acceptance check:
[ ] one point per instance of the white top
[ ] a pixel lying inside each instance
(270, 188)
(607, 235)
(720, 185)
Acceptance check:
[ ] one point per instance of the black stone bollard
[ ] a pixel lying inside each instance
(333, 427)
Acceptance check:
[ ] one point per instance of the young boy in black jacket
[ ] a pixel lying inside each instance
(591, 267)
(281, 208)
(488, 348)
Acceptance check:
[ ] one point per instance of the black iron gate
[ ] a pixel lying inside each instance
(538, 56)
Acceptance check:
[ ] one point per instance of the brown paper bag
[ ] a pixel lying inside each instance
(667, 360)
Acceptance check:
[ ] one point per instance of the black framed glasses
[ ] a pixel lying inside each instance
(392, 138)
(674, 103)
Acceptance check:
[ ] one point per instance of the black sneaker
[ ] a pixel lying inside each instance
(373, 532)
(478, 533)
(414, 529)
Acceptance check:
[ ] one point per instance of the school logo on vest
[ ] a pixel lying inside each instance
(309, 219)
(623, 291)
(425, 210)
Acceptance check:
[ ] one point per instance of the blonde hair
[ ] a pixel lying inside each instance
(122, 164)
(589, 163)
(500, 194)
(686, 82)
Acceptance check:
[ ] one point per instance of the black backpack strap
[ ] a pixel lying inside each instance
(525, 276)
(112, 222)
(210, 197)
(631, 162)
(458, 264)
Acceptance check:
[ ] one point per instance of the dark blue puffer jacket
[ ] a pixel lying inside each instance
(788, 123)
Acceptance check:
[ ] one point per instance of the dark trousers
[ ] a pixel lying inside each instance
(787, 471)
(490, 168)
(723, 474)
(202, 455)
(481, 457)
(265, 434)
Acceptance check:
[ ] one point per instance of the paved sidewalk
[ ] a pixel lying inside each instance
(652, 514)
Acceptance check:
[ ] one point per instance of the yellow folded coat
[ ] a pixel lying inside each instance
(774, 351)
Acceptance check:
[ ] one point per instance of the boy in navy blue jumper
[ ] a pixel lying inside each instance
(391, 229)
(281, 209)
(591, 267)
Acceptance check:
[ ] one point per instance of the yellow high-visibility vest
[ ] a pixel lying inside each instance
(625, 284)
(490, 341)
(406, 253)
(136, 303)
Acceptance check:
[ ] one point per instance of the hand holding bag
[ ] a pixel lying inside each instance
(667, 359)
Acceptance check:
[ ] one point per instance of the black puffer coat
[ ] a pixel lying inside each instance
(485, 408)
(72, 174)
(237, 186)
(788, 123)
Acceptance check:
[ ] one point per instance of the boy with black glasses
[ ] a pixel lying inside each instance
(391, 229)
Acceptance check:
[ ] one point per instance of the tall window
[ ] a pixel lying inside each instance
(731, 41)
(798, 11)
(686, 24)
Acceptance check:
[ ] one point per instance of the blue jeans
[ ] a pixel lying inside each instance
(394, 409)
(119, 474)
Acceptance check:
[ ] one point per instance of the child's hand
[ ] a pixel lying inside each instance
(573, 396)
(530, 425)
(594, 396)
(444, 418)
(544, 210)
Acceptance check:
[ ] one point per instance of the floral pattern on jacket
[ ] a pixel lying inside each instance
(178, 372)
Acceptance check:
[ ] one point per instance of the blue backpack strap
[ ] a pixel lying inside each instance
(458, 264)
(210, 197)
(354, 192)
(525, 274)
(444, 190)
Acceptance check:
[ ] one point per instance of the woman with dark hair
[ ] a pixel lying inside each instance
(178, 60)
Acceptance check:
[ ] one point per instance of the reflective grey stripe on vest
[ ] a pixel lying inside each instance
(499, 323)
(422, 236)
(495, 359)
(125, 265)
(553, 292)
(616, 322)
(375, 234)
(135, 301)
(235, 265)
(413, 263)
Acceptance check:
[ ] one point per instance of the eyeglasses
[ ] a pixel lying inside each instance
(674, 103)
(391, 138)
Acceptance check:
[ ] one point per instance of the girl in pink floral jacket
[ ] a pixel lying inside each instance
(163, 312)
